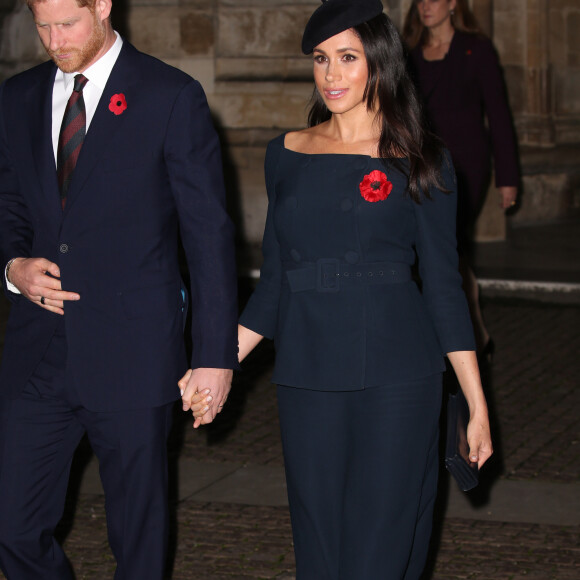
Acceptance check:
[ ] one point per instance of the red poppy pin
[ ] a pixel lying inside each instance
(118, 104)
(375, 186)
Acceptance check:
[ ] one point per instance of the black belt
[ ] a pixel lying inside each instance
(329, 274)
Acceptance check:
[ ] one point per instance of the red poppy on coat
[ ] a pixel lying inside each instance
(118, 104)
(375, 186)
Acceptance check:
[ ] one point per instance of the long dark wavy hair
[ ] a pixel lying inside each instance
(403, 130)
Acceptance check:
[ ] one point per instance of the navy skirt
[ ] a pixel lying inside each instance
(361, 469)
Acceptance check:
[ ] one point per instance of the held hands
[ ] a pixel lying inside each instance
(204, 392)
(38, 280)
(197, 393)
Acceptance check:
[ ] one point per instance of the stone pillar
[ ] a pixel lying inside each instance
(521, 35)
(539, 44)
(540, 126)
(563, 18)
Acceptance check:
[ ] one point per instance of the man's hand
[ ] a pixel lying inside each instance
(204, 392)
(38, 280)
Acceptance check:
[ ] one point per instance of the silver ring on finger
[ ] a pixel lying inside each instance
(42, 300)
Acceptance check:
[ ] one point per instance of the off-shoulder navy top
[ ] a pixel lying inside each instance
(335, 291)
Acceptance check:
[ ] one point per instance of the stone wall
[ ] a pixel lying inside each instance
(539, 45)
(19, 45)
(246, 53)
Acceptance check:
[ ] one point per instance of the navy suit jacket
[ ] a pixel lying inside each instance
(143, 178)
(335, 290)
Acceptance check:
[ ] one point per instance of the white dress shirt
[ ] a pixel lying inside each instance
(97, 75)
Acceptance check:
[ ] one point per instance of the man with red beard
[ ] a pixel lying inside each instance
(106, 160)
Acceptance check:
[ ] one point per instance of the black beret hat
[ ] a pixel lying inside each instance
(336, 16)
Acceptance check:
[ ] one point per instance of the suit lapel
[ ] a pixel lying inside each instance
(39, 107)
(105, 124)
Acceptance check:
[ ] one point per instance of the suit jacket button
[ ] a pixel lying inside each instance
(63, 249)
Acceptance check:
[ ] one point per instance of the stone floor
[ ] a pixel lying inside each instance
(533, 386)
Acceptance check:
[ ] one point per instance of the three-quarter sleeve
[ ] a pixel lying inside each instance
(261, 312)
(436, 247)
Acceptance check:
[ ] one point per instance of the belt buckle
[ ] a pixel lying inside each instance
(327, 275)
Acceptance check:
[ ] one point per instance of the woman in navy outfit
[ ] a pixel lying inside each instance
(359, 349)
(459, 78)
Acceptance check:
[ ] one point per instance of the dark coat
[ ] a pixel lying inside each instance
(142, 177)
(459, 92)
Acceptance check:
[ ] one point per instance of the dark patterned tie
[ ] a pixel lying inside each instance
(72, 135)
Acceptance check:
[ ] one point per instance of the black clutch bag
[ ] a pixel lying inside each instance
(457, 460)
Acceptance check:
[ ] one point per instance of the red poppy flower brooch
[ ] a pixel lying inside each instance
(375, 186)
(118, 104)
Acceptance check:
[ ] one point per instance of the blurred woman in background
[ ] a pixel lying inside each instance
(459, 77)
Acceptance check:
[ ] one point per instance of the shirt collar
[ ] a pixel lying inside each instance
(99, 72)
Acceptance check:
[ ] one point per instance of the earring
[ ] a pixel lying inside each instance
(452, 12)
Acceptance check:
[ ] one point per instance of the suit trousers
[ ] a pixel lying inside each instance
(361, 469)
(39, 433)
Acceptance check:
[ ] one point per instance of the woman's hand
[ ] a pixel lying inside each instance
(508, 196)
(479, 439)
(464, 364)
